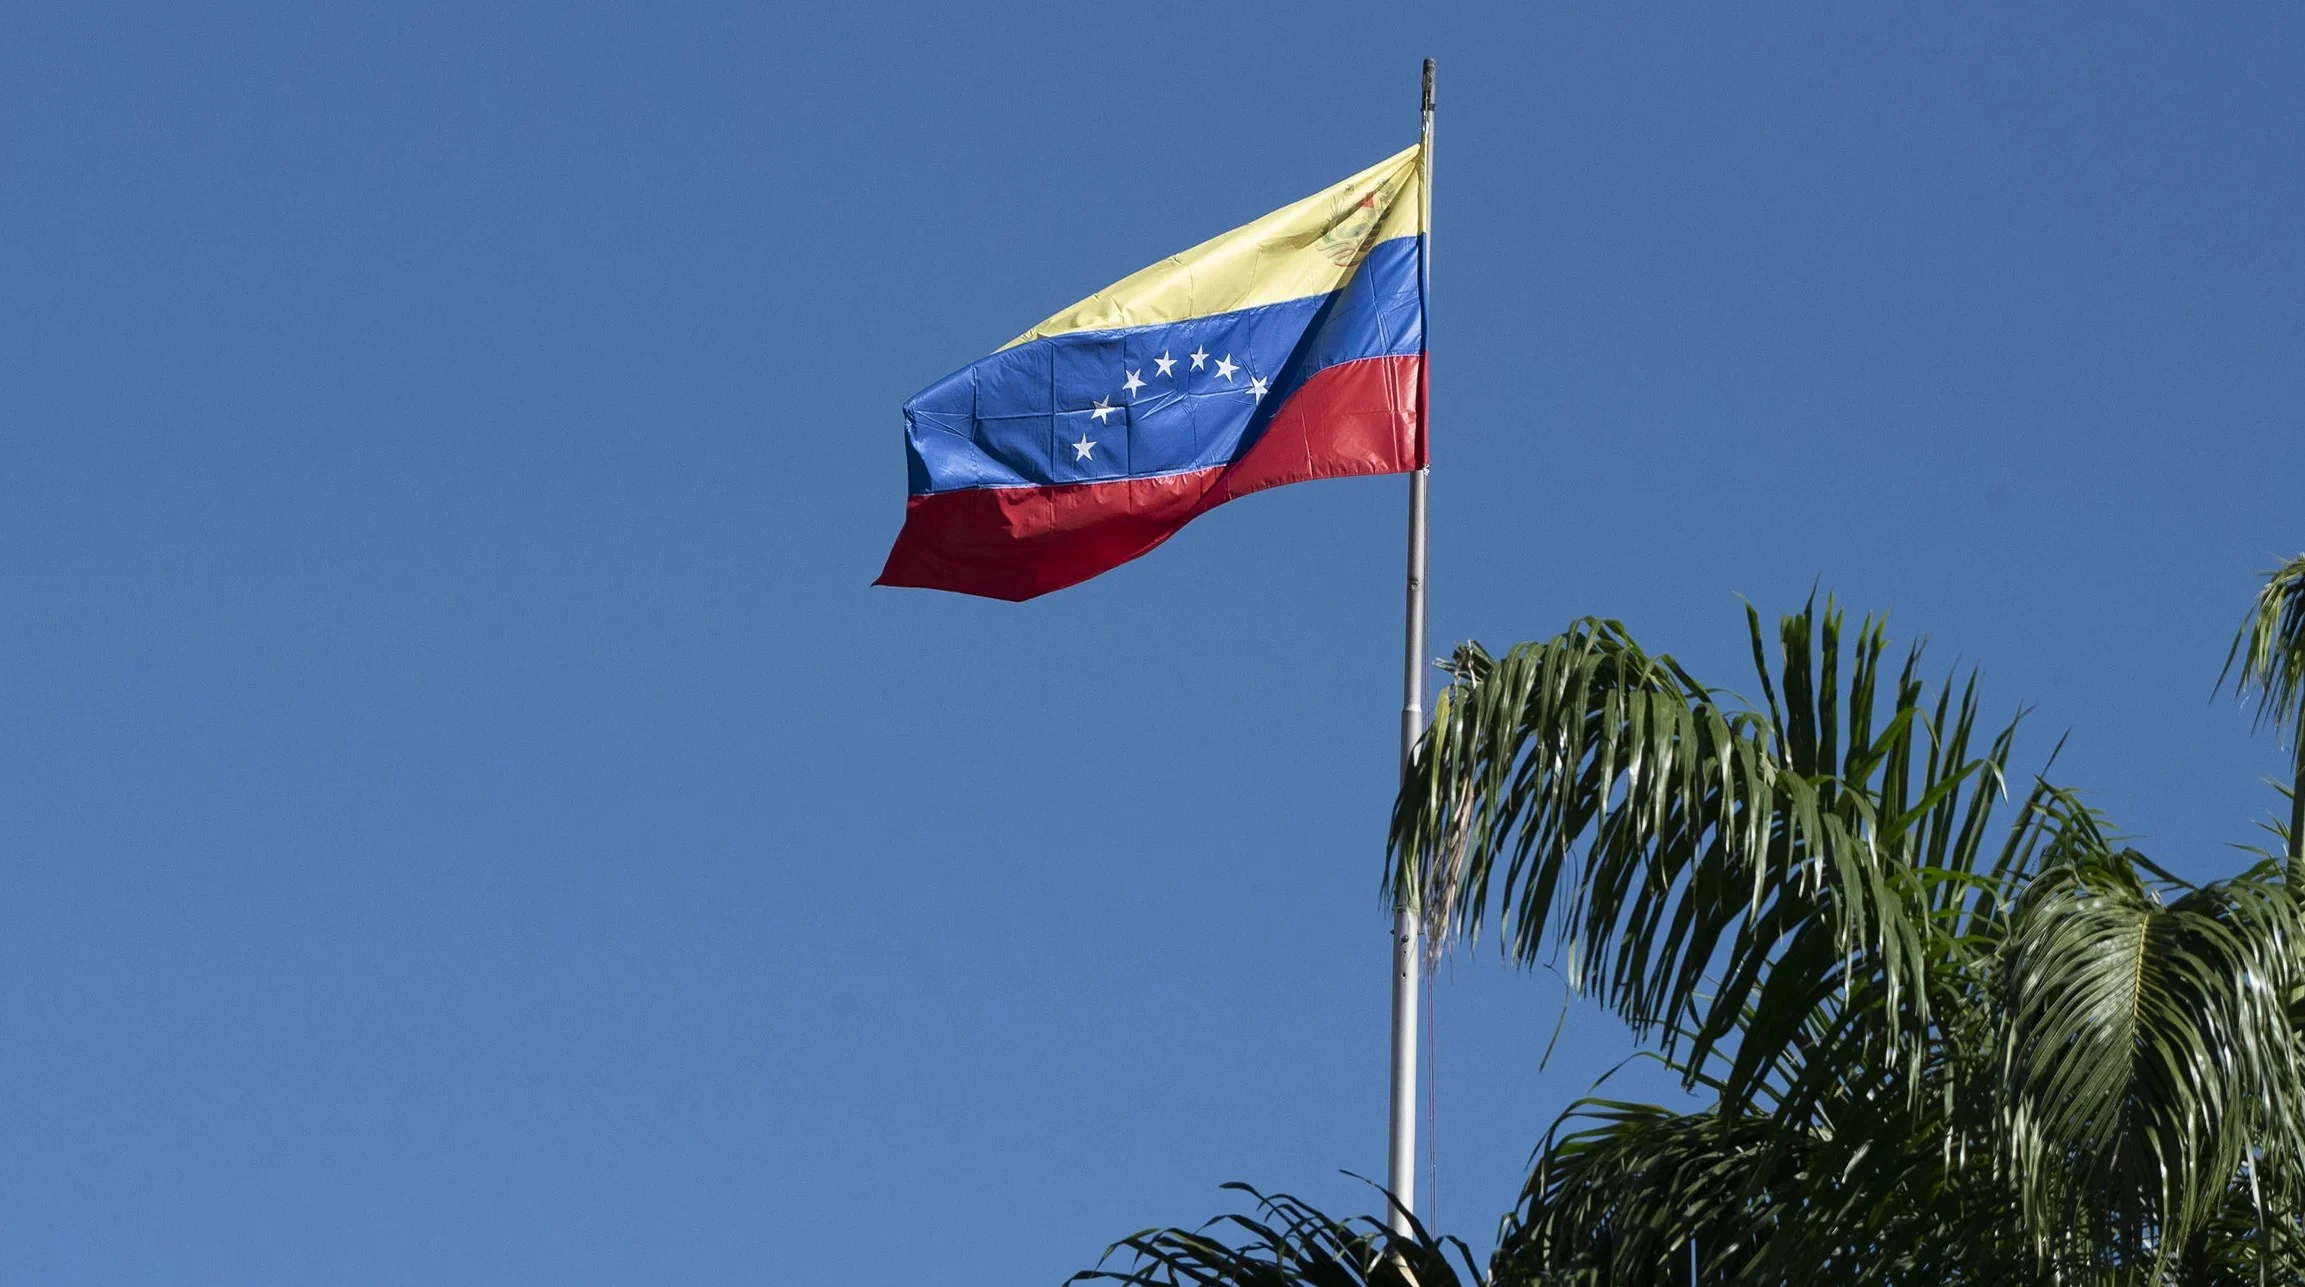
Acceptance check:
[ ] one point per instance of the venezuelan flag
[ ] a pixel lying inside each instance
(1288, 349)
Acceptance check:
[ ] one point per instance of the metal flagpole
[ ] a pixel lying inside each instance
(1408, 961)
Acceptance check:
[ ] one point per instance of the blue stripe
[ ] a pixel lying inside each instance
(1014, 419)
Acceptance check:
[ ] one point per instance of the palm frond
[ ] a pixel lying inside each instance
(1639, 1195)
(1714, 871)
(1286, 1243)
(2270, 652)
(2256, 1238)
(2270, 647)
(2149, 1052)
(1635, 1194)
(1945, 1046)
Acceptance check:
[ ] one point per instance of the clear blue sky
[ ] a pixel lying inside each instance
(464, 817)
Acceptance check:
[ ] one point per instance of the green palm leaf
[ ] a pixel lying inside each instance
(1639, 1195)
(1286, 1243)
(1713, 870)
(1942, 1049)
(2149, 1052)
(2270, 650)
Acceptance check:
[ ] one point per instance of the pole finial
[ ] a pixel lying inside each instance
(1428, 84)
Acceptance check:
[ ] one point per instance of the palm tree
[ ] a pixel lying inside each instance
(1940, 1047)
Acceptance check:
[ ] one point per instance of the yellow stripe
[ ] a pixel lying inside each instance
(1308, 248)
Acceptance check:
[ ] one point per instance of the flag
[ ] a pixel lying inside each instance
(1288, 349)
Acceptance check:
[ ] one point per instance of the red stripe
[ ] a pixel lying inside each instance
(1020, 542)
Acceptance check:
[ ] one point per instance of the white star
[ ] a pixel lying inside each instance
(1257, 387)
(1081, 449)
(1164, 362)
(1133, 383)
(1198, 356)
(1226, 366)
(1102, 409)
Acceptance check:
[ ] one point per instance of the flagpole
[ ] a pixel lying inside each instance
(1408, 961)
